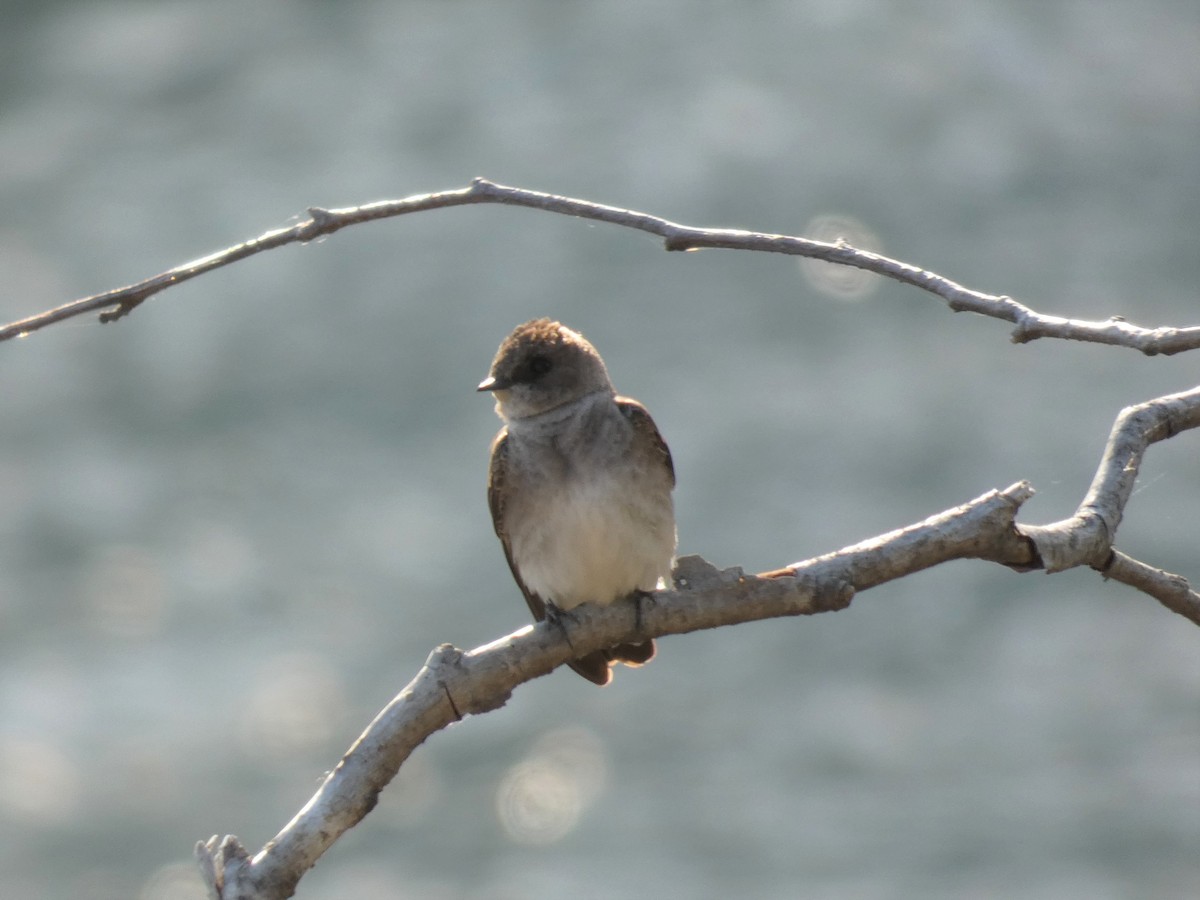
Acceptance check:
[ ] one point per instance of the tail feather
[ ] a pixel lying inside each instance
(596, 667)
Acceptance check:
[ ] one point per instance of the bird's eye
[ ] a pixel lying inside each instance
(538, 366)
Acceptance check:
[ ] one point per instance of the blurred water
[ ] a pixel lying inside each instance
(235, 524)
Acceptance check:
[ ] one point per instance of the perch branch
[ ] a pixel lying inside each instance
(1030, 325)
(453, 684)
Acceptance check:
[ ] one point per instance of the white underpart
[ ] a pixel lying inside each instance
(597, 541)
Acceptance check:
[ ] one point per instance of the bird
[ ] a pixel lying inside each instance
(579, 484)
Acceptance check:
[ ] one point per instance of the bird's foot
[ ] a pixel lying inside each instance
(640, 598)
(557, 617)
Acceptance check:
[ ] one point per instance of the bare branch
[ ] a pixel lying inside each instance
(1087, 537)
(1172, 591)
(453, 683)
(1030, 325)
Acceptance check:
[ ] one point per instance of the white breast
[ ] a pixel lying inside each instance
(598, 540)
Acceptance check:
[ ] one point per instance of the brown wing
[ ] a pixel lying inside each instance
(640, 419)
(496, 494)
(594, 666)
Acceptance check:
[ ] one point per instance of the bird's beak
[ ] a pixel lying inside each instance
(492, 383)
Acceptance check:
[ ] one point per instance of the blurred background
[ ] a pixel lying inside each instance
(234, 525)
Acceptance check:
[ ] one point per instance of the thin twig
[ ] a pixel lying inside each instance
(1030, 325)
(1172, 591)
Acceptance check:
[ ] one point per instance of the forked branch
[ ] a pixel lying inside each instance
(453, 684)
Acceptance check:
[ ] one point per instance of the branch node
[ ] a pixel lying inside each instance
(444, 655)
(124, 308)
(454, 675)
(1035, 561)
(1023, 332)
(446, 662)
(833, 594)
(694, 573)
(321, 222)
(481, 186)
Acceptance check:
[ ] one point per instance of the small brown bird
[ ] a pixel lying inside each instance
(579, 485)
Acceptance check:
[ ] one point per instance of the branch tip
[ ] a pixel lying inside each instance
(1018, 493)
(444, 656)
(208, 866)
